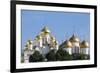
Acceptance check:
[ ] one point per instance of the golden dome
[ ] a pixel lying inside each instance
(53, 38)
(38, 37)
(55, 42)
(68, 44)
(29, 42)
(46, 30)
(42, 33)
(84, 44)
(74, 39)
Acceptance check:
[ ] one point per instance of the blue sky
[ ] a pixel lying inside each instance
(61, 24)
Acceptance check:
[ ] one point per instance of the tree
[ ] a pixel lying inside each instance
(63, 55)
(82, 57)
(51, 56)
(36, 57)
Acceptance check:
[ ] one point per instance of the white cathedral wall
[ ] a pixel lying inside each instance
(47, 38)
(85, 51)
(45, 50)
(76, 44)
(40, 43)
(34, 43)
(31, 46)
(56, 47)
(37, 49)
(70, 50)
(26, 56)
(76, 47)
(43, 40)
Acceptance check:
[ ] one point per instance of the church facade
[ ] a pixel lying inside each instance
(45, 41)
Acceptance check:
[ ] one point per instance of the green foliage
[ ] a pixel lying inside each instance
(63, 55)
(36, 57)
(51, 56)
(82, 57)
(60, 55)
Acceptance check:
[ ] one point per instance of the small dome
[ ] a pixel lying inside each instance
(68, 44)
(42, 33)
(38, 37)
(29, 42)
(74, 39)
(55, 42)
(52, 38)
(84, 44)
(45, 29)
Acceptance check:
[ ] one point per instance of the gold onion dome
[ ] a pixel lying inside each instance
(29, 42)
(84, 44)
(46, 30)
(55, 42)
(42, 33)
(68, 44)
(38, 37)
(74, 38)
(53, 39)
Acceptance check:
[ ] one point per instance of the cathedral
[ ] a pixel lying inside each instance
(45, 41)
(75, 47)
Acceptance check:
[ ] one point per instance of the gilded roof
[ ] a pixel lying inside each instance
(29, 42)
(68, 44)
(45, 29)
(38, 37)
(84, 44)
(74, 38)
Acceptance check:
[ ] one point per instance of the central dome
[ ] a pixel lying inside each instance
(74, 38)
(38, 37)
(45, 29)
